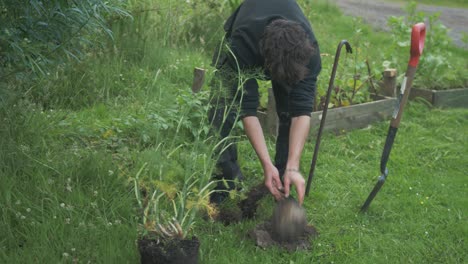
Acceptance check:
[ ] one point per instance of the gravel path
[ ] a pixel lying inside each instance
(376, 12)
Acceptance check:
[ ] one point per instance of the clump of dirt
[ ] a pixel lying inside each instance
(229, 214)
(263, 233)
(233, 211)
(263, 236)
(249, 205)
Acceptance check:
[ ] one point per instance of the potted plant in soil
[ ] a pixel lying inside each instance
(175, 184)
(168, 217)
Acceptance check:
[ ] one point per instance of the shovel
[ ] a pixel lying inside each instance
(418, 36)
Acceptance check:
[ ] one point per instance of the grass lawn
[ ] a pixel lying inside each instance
(72, 142)
(419, 216)
(58, 208)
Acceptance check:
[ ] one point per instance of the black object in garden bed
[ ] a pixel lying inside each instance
(169, 251)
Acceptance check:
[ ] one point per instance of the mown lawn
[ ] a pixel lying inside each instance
(419, 216)
(58, 207)
(72, 142)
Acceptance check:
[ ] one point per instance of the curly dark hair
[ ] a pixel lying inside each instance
(287, 50)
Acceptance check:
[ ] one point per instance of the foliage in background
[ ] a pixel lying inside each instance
(195, 23)
(441, 66)
(36, 35)
(356, 76)
(358, 73)
(450, 3)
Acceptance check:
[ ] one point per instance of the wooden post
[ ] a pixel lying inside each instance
(198, 79)
(389, 83)
(272, 118)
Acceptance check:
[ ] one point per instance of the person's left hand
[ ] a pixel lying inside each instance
(294, 177)
(273, 182)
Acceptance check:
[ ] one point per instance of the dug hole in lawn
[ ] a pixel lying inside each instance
(287, 228)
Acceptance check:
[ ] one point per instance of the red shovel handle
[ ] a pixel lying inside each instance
(418, 36)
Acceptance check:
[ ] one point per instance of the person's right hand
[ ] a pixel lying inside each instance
(273, 182)
(295, 178)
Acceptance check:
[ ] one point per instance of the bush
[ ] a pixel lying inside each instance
(39, 34)
(440, 66)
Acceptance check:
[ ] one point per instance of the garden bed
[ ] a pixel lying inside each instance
(442, 98)
(355, 116)
(339, 119)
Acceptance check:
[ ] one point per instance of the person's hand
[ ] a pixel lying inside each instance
(273, 182)
(293, 176)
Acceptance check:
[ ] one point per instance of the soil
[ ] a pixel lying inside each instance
(377, 12)
(174, 251)
(249, 205)
(262, 234)
(231, 212)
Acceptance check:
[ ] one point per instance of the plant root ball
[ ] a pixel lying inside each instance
(289, 221)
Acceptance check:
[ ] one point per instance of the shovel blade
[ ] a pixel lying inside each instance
(374, 192)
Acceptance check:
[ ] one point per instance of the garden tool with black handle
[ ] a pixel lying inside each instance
(418, 35)
(325, 109)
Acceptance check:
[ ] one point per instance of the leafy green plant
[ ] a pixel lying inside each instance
(355, 76)
(439, 66)
(169, 205)
(38, 34)
(233, 4)
(173, 190)
(152, 222)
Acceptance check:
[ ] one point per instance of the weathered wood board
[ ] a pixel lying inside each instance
(343, 118)
(451, 98)
(355, 116)
(443, 98)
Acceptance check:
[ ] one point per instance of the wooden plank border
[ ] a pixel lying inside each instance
(355, 116)
(442, 98)
(339, 119)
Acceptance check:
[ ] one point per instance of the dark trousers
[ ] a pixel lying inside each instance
(223, 120)
(224, 114)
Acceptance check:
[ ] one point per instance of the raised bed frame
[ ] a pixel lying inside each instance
(356, 116)
(338, 119)
(442, 98)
